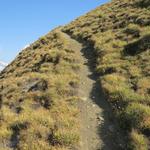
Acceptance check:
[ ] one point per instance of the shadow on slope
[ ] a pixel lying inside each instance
(108, 130)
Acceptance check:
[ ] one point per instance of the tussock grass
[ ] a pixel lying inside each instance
(138, 141)
(38, 89)
(38, 97)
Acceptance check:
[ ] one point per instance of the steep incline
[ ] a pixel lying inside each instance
(119, 34)
(39, 108)
(53, 95)
(38, 97)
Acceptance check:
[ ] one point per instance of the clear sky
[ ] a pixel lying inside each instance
(24, 21)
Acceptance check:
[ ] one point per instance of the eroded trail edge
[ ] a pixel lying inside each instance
(99, 130)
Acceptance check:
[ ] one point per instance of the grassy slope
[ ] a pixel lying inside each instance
(120, 35)
(37, 90)
(38, 98)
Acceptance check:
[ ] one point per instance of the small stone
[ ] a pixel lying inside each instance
(93, 105)
(111, 128)
(84, 98)
(99, 123)
(100, 118)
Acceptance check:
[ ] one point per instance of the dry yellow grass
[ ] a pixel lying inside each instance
(37, 90)
(38, 99)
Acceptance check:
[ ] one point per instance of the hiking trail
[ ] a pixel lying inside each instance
(98, 129)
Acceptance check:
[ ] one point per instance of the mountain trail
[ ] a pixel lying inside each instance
(98, 129)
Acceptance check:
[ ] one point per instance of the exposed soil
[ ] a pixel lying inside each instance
(99, 130)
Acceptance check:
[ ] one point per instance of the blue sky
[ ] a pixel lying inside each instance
(24, 21)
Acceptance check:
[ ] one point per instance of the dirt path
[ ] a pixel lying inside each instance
(98, 130)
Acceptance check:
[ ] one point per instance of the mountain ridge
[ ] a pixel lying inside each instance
(44, 90)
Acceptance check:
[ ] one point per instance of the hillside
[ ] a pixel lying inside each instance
(41, 105)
